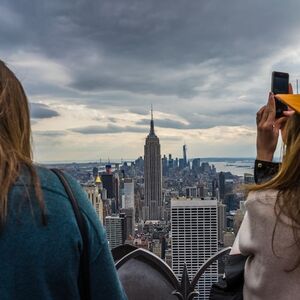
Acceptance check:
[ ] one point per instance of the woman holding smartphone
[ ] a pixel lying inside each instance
(40, 242)
(270, 232)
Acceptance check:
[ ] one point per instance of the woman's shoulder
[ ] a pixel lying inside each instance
(261, 201)
(49, 180)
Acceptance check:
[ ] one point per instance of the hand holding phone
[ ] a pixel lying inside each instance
(280, 85)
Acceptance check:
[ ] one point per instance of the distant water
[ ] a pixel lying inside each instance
(238, 168)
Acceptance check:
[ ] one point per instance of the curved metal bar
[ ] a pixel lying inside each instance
(178, 294)
(192, 294)
(120, 251)
(204, 267)
(143, 254)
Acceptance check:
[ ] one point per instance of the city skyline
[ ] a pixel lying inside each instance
(91, 71)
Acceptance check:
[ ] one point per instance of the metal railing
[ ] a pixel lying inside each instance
(145, 276)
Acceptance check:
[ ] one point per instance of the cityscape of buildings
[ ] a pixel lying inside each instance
(183, 210)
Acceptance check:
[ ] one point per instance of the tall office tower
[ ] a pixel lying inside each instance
(214, 187)
(221, 221)
(129, 208)
(108, 184)
(129, 222)
(164, 161)
(115, 230)
(205, 168)
(95, 197)
(181, 163)
(176, 163)
(153, 176)
(116, 186)
(111, 184)
(222, 186)
(194, 227)
(184, 155)
(171, 162)
(129, 193)
(196, 165)
(139, 164)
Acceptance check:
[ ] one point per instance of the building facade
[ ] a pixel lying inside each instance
(128, 193)
(95, 198)
(194, 229)
(115, 230)
(153, 176)
(222, 186)
(185, 156)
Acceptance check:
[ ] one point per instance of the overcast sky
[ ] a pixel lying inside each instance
(91, 70)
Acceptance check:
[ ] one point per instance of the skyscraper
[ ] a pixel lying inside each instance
(129, 193)
(194, 226)
(153, 176)
(196, 165)
(185, 156)
(95, 197)
(222, 185)
(129, 208)
(164, 166)
(115, 230)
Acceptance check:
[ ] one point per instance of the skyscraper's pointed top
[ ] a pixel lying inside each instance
(152, 122)
(151, 111)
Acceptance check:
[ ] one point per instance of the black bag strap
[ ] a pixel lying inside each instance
(84, 274)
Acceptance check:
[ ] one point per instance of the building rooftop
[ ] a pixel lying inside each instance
(182, 201)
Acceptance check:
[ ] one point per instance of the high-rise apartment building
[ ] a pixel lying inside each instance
(194, 227)
(153, 176)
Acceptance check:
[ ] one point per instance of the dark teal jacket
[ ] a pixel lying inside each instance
(42, 262)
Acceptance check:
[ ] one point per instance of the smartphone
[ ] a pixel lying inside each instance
(280, 85)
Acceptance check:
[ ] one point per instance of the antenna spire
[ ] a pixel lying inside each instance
(151, 111)
(152, 121)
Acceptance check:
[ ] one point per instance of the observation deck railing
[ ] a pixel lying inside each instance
(147, 277)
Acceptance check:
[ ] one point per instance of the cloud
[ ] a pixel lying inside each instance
(50, 133)
(165, 123)
(206, 64)
(42, 111)
(108, 129)
(139, 111)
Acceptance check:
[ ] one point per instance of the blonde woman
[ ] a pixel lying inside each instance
(270, 232)
(40, 242)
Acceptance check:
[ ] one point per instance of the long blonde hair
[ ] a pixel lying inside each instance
(15, 140)
(287, 181)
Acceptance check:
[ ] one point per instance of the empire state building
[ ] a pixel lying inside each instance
(153, 176)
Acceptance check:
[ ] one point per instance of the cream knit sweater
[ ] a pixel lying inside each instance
(265, 273)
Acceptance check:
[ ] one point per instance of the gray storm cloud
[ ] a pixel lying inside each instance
(107, 129)
(192, 59)
(42, 111)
